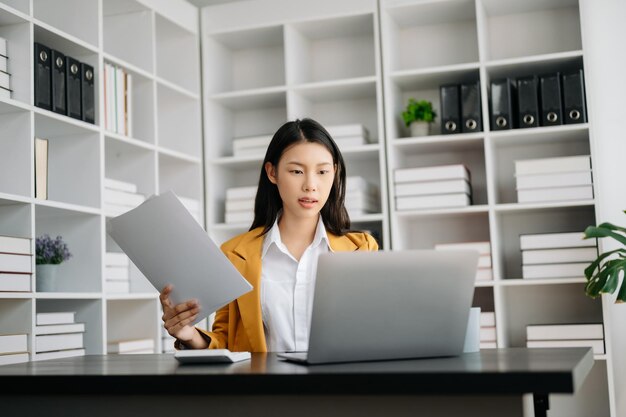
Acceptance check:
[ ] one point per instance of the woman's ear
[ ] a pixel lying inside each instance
(270, 170)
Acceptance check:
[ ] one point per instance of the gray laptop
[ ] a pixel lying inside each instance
(389, 305)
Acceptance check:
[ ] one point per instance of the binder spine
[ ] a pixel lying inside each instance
(574, 104)
(450, 109)
(87, 92)
(551, 109)
(73, 87)
(470, 108)
(43, 74)
(59, 104)
(503, 104)
(528, 101)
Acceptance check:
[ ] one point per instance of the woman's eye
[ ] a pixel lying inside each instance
(325, 171)
(296, 171)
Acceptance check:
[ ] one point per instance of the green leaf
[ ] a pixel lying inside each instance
(589, 270)
(611, 226)
(611, 277)
(621, 294)
(599, 232)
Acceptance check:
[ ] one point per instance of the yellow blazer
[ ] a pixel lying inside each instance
(238, 326)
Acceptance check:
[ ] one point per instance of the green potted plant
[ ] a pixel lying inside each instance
(603, 274)
(50, 253)
(418, 116)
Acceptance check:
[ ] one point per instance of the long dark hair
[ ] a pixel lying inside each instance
(268, 203)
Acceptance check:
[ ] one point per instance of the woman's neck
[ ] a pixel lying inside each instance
(297, 233)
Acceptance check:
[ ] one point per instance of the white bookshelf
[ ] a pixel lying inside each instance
(158, 44)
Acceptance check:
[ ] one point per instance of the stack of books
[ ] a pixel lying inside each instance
(120, 196)
(554, 179)
(117, 100)
(488, 330)
(252, 146)
(131, 346)
(556, 255)
(193, 206)
(5, 77)
(484, 271)
(13, 348)
(167, 341)
(361, 196)
(566, 335)
(116, 273)
(432, 187)
(57, 335)
(15, 263)
(240, 204)
(346, 136)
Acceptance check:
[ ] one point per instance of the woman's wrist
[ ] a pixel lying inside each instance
(197, 341)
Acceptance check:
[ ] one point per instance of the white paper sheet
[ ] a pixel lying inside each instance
(168, 246)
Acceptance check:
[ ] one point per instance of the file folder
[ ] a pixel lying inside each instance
(450, 109)
(528, 101)
(470, 108)
(551, 109)
(43, 73)
(72, 84)
(87, 92)
(503, 104)
(59, 104)
(575, 109)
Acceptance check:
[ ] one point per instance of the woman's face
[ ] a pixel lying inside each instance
(304, 177)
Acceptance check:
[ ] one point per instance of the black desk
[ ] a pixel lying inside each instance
(157, 385)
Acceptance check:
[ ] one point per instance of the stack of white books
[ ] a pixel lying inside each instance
(240, 204)
(13, 348)
(349, 135)
(193, 206)
(488, 330)
(484, 271)
(253, 146)
(5, 77)
(554, 179)
(167, 341)
(57, 335)
(120, 197)
(131, 346)
(566, 335)
(432, 187)
(116, 273)
(361, 196)
(15, 263)
(117, 100)
(556, 255)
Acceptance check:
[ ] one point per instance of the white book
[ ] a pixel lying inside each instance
(4, 93)
(121, 346)
(111, 104)
(112, 184)
(356, 129)
(137, 352)
(64, 317)
(543, 195)
(568, 270)
(120, 79)
(239, 205)
(15, 282)
(362, 202)
(13, 343)
(483, 248)
(564, 179)
(116, 259)
(128, 95)
(433, 187)
(116, 273)
(107, 116)
(347, 141)
(122, 198)
(50, 342)
(596, 345)
(60, 328)
(487, 319)
(484, 261)
(553, 256)
(432, 201)
(191, 204)
(239, 217)
(12, 358)
(437, 173)
(15, 263)
(565, 331)
(358, 183)
(553, 165)
(488, 345)
(488, 334)
(117, 287)
(5, 80)
(252, 142)
(484, 274)
(555, 240)
(19, 245)
(241, 193)
(3, 47)
(68, 353)
(4, 64)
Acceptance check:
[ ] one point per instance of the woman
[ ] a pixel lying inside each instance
(299, 213)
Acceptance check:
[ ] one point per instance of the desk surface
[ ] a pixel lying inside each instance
(497, 371)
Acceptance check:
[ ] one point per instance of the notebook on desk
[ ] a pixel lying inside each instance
(389, 305)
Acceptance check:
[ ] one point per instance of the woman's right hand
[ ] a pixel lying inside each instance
(176, 318)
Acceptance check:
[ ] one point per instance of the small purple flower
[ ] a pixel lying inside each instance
(49, 251)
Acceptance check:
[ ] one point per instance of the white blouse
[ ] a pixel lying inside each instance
(287, 288)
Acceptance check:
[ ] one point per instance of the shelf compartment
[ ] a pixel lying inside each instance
(16, 153)
(182, 177)
(16, 219)
(516, 29)
(220, 178)
(81, 232)
(535, 65)
(73, 161)
(16, 317)
(129, 163)
(244, 60)
(177, 55)
(55, 14)
(449, 27)
(127, 320)
(330, 49)
(16, 31)
(178, 122)
(127, 32)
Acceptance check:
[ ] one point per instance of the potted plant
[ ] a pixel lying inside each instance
(603, 274)
(50, 253)
(418, 116)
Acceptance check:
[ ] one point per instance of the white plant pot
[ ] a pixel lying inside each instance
(46, 275)
(419, 129)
